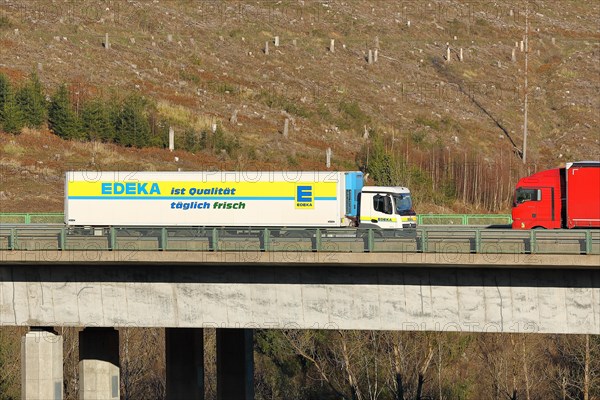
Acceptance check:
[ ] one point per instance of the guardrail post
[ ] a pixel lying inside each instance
(588, 242)
(477, 241)
(465, 219)
(266, 239)
(112, 238)
(318, 240)
(532, 240)
(27, 218)
(12, 239)
(215, 240)
(371, 240)
(163, 239)
(424, 240)
(62, 239)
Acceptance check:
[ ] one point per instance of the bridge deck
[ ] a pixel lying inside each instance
(301, 258)
(330, 291)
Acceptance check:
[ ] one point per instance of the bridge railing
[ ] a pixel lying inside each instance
(422, 219)
(422, 240)
(31, 218)
(464, 219)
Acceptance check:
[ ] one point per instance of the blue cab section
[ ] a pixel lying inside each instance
(354, 184)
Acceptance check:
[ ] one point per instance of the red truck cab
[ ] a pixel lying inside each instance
(537, 201)
(566, 197)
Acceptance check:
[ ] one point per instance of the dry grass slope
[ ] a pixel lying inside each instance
(203, 61)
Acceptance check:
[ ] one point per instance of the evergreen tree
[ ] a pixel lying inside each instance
(96, 120)
(131, 125)
(11, 116)
(191, 140)
(380, 163)
(62, 120)
(13, 119)
(32, 102)
(4, 94)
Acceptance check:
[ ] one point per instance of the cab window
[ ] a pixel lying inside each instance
(522, 195)
(403, 204)
(382, 204)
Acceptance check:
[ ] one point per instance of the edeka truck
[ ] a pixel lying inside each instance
(234, 199)
(567, 197)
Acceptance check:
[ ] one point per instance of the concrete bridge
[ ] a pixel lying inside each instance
(237, 292)
(375, 291)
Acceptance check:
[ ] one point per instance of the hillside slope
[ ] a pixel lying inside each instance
(204, 62)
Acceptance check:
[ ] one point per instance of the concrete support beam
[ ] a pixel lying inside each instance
(185, 363)
(42, 365)
(99, 364)
(235, 364)
(515, 299)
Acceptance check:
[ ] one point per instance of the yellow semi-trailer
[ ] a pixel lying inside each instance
(233, 199)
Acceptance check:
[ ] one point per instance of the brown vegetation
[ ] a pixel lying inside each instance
(452, 130)
(361, 365)
(207, 58)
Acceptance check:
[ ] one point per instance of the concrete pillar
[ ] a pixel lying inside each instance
(235, 364)
(41, 365)
(185, 363)
(99, 364)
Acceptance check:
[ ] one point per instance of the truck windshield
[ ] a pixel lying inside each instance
(403, 204)
(522, 195)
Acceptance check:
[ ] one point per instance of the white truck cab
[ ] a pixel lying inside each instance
(386, 207)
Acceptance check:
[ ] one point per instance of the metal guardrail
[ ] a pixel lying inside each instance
(422, 219)
(422, 240)
(464, 219)
(31, 218)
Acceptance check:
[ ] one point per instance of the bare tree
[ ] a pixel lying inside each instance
(304, 344)
(10, 362)
(142, 363)
(422, 371)
(352, 380)
(70, 362)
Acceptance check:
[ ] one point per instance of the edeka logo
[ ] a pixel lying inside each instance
(304, 196)
(129, 188)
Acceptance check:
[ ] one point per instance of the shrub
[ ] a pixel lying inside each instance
(5, 22)
(352, 116)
